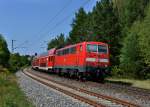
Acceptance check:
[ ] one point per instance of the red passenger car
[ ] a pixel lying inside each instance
(44, 61)
(35, 63)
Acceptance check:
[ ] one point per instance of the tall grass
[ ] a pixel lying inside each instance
(10, 93)
(145, 84)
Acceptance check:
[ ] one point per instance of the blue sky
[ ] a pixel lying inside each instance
(29, 21)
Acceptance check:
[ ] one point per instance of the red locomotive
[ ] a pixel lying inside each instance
(82, 60)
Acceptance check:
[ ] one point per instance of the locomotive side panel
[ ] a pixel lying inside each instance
(70, 57)
(80, 57)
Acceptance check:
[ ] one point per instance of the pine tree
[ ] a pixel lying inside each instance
(57, 42)
(144, 41)
(89, 26)
(135, 54)
(79, 31)
(144, 37)
(130, 10)
(130, 58)
(4, 52)
(107, 27)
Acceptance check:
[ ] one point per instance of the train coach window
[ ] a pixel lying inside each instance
(63, 53)
(59, 53)
(67, 51)
(72, 50)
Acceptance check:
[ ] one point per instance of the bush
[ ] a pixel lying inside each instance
(116, 71)
(17, 61)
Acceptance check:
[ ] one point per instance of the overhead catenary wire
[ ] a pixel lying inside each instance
(50, 21)
(54, 17)
(23, 43)
(59, 23)
(62, 21)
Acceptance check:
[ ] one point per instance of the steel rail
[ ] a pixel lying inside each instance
(83, 99)
(118, 101)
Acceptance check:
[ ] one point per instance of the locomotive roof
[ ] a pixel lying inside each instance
(69, 46)
(52, 51)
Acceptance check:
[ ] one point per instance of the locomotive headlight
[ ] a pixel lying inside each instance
(90, 59)
(103, 60)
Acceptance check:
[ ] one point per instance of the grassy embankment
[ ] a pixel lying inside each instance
(145, 84)
(10, 93)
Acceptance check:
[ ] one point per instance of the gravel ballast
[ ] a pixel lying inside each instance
(106, 89)
(43, 96)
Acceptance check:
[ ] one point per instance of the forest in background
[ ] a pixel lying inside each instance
(124, 25)
(12, 61)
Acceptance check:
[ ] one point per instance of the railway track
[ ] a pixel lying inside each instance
(89, 97)
(145, 93)
(142, 92)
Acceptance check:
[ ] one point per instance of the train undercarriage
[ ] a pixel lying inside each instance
(83, 74)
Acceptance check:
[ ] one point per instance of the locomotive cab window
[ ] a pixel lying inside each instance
(97, 48)
(91, 48)
(102, 49)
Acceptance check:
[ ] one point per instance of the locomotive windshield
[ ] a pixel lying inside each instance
(96, 48)
(102, 49)
(91, 48)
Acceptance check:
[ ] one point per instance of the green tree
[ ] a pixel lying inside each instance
(89, 26)
(130, 10)
(79, 31)
(57, 42)
(135, 55)
(17, 61)
(144, 37)
(131, 61)
(4, 52)
(107, 27)
(144, 42)
(25, 60)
